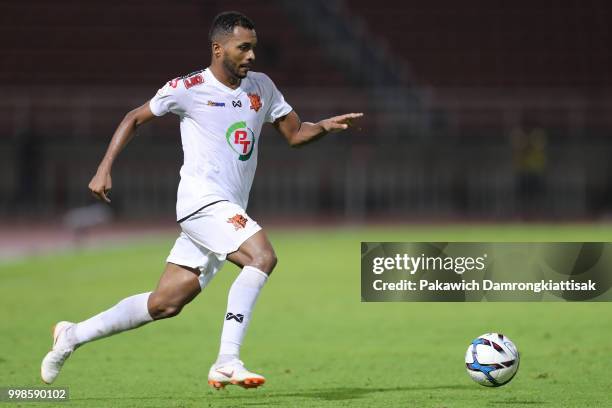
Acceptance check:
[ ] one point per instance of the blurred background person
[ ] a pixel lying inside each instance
(529, 154)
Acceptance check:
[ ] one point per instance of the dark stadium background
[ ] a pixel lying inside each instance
(475, 110)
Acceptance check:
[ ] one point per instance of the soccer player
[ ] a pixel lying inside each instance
(222, 110)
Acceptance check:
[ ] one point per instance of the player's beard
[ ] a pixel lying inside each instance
(233, 68)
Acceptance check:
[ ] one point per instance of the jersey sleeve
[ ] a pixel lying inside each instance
(170, 98)
(277, 107)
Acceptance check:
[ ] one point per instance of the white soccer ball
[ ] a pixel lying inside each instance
(492, 360)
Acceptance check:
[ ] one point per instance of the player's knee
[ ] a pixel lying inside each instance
(159, 309)
(164, 312)
(265, 261)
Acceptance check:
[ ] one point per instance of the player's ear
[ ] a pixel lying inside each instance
(217, 49)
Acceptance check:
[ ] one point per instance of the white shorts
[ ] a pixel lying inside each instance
(209, 235)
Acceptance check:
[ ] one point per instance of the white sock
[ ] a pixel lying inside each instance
(128, 314)
(240, 301)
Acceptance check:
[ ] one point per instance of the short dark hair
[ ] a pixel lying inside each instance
(224, 23)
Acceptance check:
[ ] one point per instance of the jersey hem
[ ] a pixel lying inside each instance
(192, 209)
(199, 209)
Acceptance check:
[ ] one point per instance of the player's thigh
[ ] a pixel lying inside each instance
(177, 286)
(221, 228)
(256, 251)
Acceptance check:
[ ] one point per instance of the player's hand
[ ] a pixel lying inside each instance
(339, 123)
(100, 185)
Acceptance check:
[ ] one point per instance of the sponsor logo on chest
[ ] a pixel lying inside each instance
(254, 103)
(241, 139)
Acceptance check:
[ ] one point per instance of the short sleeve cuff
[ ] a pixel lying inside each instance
(280, 112)
(156, 108)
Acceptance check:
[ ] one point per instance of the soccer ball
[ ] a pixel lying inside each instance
(492, 360)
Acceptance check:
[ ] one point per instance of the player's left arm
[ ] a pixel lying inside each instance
(299, 133)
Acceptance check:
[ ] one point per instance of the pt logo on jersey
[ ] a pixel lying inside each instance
(238, 221)
(255, 101)
(237, 317)
(241, 139)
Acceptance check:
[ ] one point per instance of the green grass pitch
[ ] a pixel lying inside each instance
(312, 338)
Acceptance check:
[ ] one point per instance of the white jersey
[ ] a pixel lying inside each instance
(220, 130)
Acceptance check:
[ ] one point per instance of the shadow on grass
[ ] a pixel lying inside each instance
(341, 393)
(321, 394)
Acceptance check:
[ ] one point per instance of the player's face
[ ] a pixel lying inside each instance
(239, 52)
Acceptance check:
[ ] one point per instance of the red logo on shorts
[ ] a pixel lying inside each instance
(238, 221)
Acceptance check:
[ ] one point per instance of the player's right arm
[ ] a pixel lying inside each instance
(101, 183)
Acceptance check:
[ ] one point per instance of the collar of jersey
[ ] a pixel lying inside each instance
(215, 82)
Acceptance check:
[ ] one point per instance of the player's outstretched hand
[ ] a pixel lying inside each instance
(339, 123)
(100, 185)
